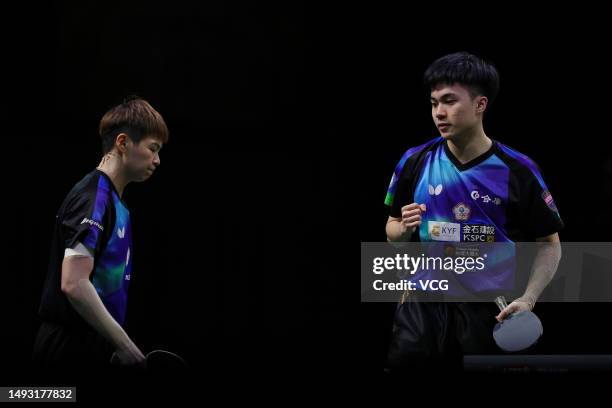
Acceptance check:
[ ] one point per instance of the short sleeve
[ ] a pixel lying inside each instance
(85, 219)
(399, 192)
(540, 215)
(402, 196)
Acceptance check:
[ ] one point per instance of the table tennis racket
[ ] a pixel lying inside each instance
(162, 361)
(518, 331)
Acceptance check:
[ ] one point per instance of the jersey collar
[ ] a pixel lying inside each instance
(474, 162)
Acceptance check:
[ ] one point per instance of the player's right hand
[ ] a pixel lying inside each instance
(130, 355)
(411, 217)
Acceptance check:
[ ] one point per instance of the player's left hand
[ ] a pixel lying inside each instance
(517, 306)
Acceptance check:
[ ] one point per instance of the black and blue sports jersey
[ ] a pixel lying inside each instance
(499, 197)
(93, 214)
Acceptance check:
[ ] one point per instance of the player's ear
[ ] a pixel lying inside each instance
(481, 103)
(121, 142)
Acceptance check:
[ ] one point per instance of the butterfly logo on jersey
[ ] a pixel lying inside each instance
(435, 190)
(121, 232)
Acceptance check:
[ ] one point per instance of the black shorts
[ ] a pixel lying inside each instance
(435, 335)
(70, 350)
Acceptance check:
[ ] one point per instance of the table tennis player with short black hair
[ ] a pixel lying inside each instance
(490, 191)
(84, 298)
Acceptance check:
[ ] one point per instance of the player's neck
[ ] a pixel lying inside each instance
(111, 166)
(468, 146)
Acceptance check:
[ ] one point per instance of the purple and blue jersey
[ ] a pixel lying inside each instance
(498, 197)
(93, 214)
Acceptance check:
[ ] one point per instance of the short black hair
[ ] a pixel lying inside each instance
(477, 74)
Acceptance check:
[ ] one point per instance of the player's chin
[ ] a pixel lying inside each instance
(146, 175)
(448, 135)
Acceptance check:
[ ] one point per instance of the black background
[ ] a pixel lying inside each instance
(231, 264)
(551, 107)
(286, 123)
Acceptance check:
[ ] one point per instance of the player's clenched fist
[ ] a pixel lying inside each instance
(411, 217)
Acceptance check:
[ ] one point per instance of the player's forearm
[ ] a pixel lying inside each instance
(544, 268)
(87, 303)
(394, 232)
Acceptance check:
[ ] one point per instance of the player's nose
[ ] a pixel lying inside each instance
(440, 113)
